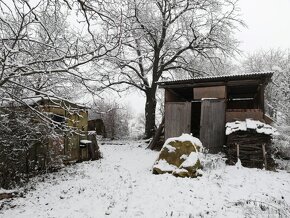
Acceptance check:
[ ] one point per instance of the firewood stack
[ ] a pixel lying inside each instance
(250, 145)
(253, 148)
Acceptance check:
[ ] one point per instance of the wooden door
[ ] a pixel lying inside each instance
(177, 118)
(212, 124)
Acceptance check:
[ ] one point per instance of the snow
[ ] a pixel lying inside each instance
(84, 141)
(190, 160)
(177, 171)
(239, 164)
(122, 185)
(256, 125)
(208, 99)
(165, 166)
(235, 126)
(2, 190)
(183, 157)
(183, 138)
(170, 148)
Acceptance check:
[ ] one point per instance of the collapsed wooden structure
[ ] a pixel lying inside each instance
(203, 105)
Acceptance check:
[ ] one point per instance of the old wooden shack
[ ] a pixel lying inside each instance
(203, 105)
(43, 141)
(69, 115)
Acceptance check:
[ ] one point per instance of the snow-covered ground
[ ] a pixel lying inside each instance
(122, 185)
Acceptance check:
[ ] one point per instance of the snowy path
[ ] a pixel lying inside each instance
(121, 185)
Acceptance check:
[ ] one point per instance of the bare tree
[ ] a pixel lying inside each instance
(278, 91)
(159, 37)
(38, 49)
(41, 53)
(115, 117)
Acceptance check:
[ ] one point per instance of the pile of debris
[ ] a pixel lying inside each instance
(250, 141)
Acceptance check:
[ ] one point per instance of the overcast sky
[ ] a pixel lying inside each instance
(268, 24)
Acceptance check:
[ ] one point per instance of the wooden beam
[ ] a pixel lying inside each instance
(264, 155)
(238, 152)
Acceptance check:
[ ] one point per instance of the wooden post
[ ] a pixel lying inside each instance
(264, 155)
(238, 151)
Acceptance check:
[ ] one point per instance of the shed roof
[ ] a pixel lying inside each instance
(265, 76)
(40, 100)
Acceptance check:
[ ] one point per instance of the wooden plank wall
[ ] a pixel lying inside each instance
(212, 124)
(242, 114)
(209, 92)
(177, 118)
(170, 96)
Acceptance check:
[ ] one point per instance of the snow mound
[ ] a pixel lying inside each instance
(184, 138)
(250, 124)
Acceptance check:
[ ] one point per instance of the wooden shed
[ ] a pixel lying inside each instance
(68, 115)
(203, 105)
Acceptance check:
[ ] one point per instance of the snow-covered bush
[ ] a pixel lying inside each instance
(23, 147)
(282, 145)
(115, 117)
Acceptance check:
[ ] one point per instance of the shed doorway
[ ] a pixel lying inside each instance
(195, 118)
(212, 124)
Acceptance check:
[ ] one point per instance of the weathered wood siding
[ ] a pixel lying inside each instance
(209, 92)
(170, 96)
(212, 124)
(177, 118)
(243, 114)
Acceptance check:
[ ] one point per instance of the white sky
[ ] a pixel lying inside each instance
(268, 24)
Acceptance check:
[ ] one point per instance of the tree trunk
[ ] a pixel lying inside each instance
(150, 109)
(154, 142)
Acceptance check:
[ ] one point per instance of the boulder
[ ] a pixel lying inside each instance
(179, 156)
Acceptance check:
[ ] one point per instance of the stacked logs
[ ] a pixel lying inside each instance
(252, 148)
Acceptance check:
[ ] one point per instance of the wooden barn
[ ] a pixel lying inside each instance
(203, 105)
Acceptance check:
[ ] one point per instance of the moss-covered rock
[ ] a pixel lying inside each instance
(179, 156)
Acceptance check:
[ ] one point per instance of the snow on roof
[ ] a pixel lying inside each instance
(254, 75)
(250, 124)
(32, 100)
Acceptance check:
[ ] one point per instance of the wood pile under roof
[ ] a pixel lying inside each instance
(250, 141)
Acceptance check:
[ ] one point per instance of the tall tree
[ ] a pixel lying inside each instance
(161, 36)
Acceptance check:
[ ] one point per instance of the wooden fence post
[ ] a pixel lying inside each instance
(264, 155)
(238, 151)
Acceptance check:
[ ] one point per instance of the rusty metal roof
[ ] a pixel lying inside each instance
(219, 78)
